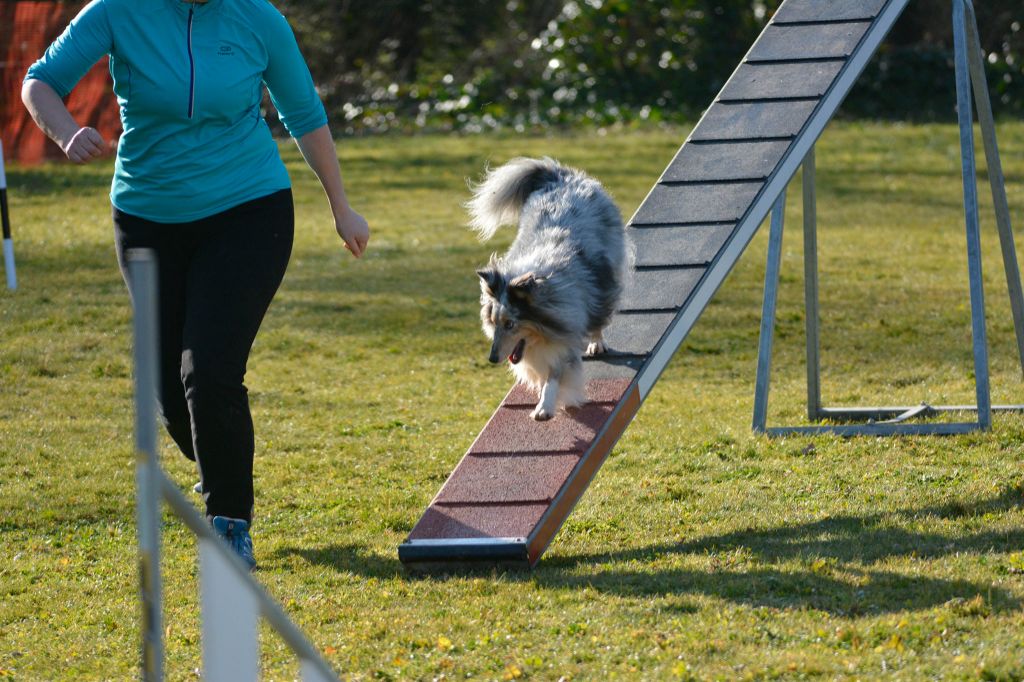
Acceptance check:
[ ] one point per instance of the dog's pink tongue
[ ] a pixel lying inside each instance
(517, 353)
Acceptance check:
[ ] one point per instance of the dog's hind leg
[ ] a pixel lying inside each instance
(596, 345)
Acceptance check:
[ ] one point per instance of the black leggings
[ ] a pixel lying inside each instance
(216, 279)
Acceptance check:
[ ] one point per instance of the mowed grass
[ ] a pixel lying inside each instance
(700, 551)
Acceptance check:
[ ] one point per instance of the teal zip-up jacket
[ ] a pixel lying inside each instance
(188, 79)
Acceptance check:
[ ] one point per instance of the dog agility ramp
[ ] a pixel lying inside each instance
(520, 479)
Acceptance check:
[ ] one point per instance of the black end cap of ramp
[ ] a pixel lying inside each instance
(450, 554)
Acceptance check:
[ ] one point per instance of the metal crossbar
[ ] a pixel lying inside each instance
(231, 599)
(884, 421)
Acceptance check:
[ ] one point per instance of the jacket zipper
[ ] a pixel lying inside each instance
(191, 66)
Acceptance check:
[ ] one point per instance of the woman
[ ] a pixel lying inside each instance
(199, 180)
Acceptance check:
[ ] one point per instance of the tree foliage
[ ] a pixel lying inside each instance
(525, 64)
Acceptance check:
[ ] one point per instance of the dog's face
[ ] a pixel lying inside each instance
(504, 313)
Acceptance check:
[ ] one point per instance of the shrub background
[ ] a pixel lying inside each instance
(474, 65)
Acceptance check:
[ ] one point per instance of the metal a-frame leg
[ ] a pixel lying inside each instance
(812, 314)
(771, 295)
(891, 420)
(996, 179)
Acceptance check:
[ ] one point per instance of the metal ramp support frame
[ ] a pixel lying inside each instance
(231, 599)
(886, 421)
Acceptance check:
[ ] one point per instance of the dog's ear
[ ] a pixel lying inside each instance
(490, 280)
(523, 287)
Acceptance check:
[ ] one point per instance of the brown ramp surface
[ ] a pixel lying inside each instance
(520, 479)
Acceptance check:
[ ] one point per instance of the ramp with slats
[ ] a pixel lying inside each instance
(520, 479)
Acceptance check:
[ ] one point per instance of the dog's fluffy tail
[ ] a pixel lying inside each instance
(499, 199)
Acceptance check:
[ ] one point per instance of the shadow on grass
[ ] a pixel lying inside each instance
(826, 550)
(71, 261)
(50, 178)
(348, 558)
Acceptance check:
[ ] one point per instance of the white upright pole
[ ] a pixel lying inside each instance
(230, 611)
(142, 272)
(12, 277)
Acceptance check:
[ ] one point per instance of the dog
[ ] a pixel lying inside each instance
(545, 303)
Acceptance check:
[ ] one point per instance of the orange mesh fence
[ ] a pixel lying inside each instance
(27, 27)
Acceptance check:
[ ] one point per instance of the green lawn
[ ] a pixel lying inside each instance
(700, 551)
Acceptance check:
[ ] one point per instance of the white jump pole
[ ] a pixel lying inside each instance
(142, 267)
(12, 277)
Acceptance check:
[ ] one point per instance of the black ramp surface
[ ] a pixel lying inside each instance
(611, 366)
(827, 10)
(679, 245)
(803, 42)
(661, 289)
(725, 161)
(636, 333)
(753, 120)
(696, 203)
(780, 81)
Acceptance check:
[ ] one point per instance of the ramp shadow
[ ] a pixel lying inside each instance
(836, 559)
(348, 558)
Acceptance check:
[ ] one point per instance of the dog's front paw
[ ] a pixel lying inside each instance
(595, 348)
(541, 414)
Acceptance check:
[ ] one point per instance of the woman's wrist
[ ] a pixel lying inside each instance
(340, 207)
(66, 136)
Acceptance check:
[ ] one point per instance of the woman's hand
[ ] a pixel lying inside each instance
(85, 145)
(353, 230)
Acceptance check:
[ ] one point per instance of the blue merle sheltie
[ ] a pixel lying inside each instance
(546, 301)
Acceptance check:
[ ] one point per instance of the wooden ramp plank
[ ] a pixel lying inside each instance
(485, 521)
(780, 81)
(678, 244)
(520, 479)
(799, 11)
(508, 478)
(725, 202)
(753, 120)
(636, 333)
(661, 289)
(801, 42)
(611, 366)
(725, 161)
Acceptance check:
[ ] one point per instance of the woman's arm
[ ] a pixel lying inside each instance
(298, 104)
(317, 148)
(87, 38)
(81, 144)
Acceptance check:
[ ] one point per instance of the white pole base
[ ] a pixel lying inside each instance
(12, 277)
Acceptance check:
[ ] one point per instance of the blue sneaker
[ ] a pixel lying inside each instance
(236, 533)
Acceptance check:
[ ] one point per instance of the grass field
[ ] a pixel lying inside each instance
(700, 552)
